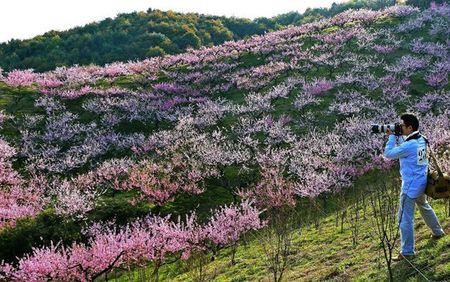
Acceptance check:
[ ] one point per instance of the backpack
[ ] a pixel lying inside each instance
(438, 183)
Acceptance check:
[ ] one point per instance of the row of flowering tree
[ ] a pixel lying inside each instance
(153, 239)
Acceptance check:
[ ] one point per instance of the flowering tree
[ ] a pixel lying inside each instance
(18, 198)
(159, 182)
(151, 239)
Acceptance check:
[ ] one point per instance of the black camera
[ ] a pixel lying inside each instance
(382, 128)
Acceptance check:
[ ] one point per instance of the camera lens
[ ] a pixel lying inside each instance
(375, 128)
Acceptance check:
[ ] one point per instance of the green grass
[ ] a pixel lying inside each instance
(17, 101)
(324, 251)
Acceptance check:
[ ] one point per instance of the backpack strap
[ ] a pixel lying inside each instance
(415, 136)
(433, 158)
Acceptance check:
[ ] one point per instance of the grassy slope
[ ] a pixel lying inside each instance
(325, 251)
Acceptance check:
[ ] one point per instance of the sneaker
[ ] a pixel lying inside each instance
(400, 257)
(437, 237)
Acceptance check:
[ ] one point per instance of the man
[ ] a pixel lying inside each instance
(412, 152)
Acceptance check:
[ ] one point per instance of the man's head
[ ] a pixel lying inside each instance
(410, 123)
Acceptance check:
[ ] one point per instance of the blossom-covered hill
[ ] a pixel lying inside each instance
(266, 123)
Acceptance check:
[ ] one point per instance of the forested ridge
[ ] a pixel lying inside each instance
(138, 35)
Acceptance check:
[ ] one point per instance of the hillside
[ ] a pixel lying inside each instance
(326, 251)
(193, 166)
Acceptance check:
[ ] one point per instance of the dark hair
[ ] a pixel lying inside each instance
(410, 120)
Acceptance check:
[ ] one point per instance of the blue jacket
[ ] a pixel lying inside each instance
(412, 153)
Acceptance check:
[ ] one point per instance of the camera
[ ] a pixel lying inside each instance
(395, 128)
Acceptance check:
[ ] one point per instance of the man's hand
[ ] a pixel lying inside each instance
(389, 132)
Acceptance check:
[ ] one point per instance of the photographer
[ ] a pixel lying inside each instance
(412, 152)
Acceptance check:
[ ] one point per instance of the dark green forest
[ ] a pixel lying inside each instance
(139, 35)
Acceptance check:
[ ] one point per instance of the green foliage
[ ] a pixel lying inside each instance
(49, 227)
(188, 40)
(116, 206)
(155, 51)
(28, 233)
(139, 35)
(423, 4)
